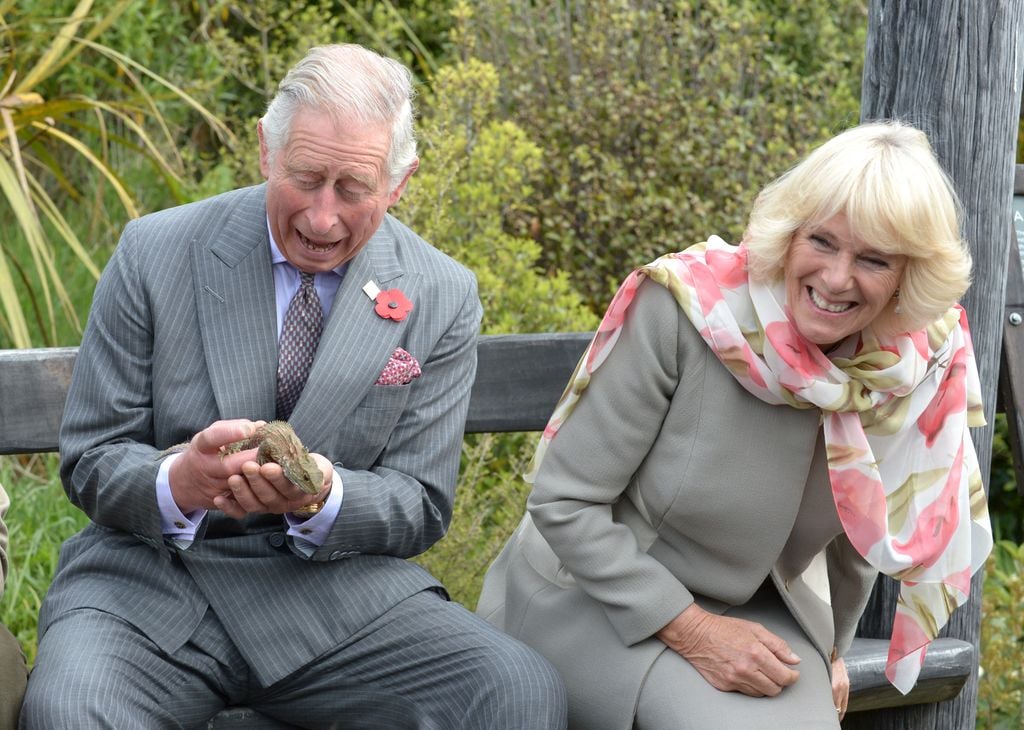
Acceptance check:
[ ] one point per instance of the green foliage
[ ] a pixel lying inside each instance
(71, 106)
(1001, 684)
(661, 121)
(476, 172)
(39, 520)
(1005, 501)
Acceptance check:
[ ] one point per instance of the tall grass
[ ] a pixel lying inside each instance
(39, 520)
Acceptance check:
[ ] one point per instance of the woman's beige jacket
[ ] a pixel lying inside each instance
(668, 484)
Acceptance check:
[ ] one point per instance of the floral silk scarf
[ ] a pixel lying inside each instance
(895, 413)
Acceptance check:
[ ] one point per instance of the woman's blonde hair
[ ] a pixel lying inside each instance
(884, 176)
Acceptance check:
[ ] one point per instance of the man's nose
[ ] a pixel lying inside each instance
(323, 212)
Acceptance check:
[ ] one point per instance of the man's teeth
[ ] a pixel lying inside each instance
(828, 306)
(321, 247)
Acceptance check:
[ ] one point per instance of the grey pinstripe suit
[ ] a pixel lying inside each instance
(182, 333)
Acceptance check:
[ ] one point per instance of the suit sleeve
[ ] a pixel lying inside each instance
(592, 459)
(402, 504)
(107, 463)
(851, 579)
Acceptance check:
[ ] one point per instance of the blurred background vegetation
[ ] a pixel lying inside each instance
(562, 144)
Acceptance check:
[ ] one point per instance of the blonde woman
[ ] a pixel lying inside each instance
(753, 434)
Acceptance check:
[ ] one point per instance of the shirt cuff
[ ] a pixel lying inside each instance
(310, 533)
(175, 525)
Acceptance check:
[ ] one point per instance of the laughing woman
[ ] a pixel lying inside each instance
(753, 434)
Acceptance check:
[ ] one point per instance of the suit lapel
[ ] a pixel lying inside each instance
(237, 312)
(356, 342)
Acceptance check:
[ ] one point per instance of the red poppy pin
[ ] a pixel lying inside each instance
(388, 303)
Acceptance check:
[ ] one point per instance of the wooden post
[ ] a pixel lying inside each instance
(953, 68)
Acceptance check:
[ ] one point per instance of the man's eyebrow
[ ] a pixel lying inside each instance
(362, 179)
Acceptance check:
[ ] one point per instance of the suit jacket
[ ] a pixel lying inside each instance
(668, 484)
(182, 332)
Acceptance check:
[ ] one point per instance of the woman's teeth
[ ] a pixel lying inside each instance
(828, 306)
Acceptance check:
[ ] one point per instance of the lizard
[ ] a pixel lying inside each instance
(277, 443)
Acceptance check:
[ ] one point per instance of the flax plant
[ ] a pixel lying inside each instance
(43, 137)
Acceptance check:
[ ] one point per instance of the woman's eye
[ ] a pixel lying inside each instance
(820, 242)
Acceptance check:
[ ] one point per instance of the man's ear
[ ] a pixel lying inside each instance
(396, 193)
(264, 152)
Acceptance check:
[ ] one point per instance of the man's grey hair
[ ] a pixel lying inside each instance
(348, 82)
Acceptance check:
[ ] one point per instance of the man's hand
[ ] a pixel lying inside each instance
(265, 489)
(733, 655)
(200, 475)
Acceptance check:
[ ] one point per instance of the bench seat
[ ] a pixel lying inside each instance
(519, 379)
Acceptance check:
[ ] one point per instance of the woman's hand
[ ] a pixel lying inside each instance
(732, 654)
(840, 687)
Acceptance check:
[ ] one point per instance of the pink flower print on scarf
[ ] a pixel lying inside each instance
(951, 398)
(937, 523)
(611, 323)
(860, 502)
(804, 358)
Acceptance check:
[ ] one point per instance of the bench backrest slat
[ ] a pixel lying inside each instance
(519, 380)
(33, 386)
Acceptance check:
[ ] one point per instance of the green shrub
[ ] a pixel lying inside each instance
(1001, 684)
(1005, 501)
(475, 173)
(660, 121)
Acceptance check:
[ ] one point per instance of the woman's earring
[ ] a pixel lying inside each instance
(896, 295)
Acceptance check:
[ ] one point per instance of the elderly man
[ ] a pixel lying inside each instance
(208, 578)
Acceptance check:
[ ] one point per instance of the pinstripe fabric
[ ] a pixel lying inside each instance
(426, 663)
(182, 332)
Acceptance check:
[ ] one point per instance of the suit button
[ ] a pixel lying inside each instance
(276, 539)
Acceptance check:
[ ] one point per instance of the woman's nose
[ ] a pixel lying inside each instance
(838, 273)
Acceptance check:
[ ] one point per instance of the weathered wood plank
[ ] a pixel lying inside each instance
(33, 386)
(953, 67)
(1011, 364)
(1011, 368)
(948, 664)
(519, 378)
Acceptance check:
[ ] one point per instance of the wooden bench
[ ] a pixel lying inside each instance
(519, 379)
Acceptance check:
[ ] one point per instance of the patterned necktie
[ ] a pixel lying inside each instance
(300, 335)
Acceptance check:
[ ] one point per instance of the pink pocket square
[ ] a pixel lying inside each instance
(400, 370)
